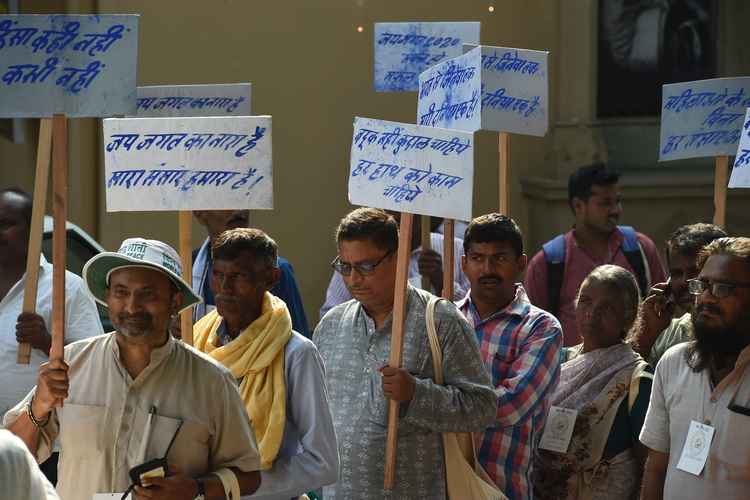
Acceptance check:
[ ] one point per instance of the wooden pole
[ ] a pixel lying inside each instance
(426, 244)
(448, 258)
(397, 341)
(720, 190)
(41, 179)
(186, 317)
(60, 215)
(504, 173)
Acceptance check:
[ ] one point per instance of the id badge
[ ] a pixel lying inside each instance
(558, 430)
(697, 445)
(109, 496)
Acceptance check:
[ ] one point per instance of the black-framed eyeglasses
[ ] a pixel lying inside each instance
(363, 268)
(718, 289)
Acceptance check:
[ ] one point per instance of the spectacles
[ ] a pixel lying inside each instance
(363, 268)
(717, 288)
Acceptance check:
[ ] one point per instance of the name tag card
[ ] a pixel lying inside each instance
(211, 163)
(702, 118)
(409, 168)
(741, 170)
(404, 50)
(110, 496)
(80, 66)
(558, 430)
(193, 100)
(697, 445)
(488, 88)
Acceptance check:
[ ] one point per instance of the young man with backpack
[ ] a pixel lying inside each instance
(555, 273)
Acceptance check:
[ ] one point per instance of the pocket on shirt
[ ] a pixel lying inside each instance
(84, 430)
(502, 362)
(191, 449)
(733, 453)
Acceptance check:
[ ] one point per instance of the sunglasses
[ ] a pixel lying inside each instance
(717, 288)
(363, 268)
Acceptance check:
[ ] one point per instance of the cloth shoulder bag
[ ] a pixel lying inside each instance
(465, 477)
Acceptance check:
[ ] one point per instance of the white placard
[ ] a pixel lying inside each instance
(488, 88)
(404, 50)
(702, 118)
(210, 163)
(76, 65)
(414, 169)
(741, 170)
(193, 100)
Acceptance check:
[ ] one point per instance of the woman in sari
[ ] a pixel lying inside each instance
(609, 386)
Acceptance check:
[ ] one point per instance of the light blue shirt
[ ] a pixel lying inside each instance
(308, 458)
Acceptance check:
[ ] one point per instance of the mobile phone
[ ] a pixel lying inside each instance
(153, 468)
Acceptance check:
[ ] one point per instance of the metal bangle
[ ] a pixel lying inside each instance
(33, 419)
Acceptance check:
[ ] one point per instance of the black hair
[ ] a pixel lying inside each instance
(371, 224)
(582, 180)
(232, 243)
(491, 228)
(689, 239)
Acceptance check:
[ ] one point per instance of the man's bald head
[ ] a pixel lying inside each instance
(18, 199)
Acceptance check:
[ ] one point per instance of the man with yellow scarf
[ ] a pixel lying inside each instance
(280, 372)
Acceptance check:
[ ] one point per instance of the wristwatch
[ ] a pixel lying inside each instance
(201, 495)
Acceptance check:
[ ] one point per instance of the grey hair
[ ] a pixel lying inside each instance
(623, 283)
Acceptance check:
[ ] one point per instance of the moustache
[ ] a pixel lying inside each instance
(490, 279)
(709, 308)
(135, 318)
(226, 298)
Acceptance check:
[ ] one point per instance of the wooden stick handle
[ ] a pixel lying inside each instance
(504, 173)
(41, 180)
(720, 190)
(448, 258)
(186, 317)
(426, 244)
(60, 215)
(397, 341)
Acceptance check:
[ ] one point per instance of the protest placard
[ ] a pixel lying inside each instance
(206, 163)
(702, 118)
(75, 65)
(404, 50)
(409, 168)
(193, 100)
(741, 169)
(487, 88)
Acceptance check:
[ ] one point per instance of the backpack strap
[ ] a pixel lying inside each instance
(554, 256)
(631, 249)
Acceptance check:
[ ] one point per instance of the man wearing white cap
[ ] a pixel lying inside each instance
(137, 395)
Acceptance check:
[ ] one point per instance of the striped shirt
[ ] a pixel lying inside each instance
(521, 347)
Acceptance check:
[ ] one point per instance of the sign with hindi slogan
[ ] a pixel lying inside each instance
(413, 169)
(702, 118)
(209, 163)
(741, 170)
(79, 66)
(193, 100)
(487, 88)
(404, 50)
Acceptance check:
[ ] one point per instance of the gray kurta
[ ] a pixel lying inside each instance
(353, 351)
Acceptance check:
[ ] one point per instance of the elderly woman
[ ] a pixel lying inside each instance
(609, 386)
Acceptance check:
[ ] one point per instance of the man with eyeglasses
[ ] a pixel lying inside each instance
(697, 427)
(555, 273)
(354, 340)
(665, 314)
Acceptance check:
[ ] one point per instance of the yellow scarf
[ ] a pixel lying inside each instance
(256, 356)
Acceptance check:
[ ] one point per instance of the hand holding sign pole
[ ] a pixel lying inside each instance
(704, 119)
(412, 170)
(66, 66)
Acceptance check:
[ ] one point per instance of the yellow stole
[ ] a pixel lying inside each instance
(257, 357)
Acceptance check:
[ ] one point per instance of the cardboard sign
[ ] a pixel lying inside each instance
(211, 163)
(408, 168)
(80, 66)
(404, 50)
(702, 118)
(193, 100)
(741, 169)
(488, 88)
